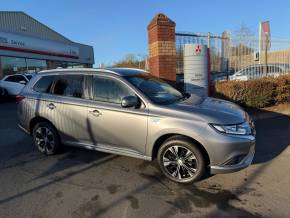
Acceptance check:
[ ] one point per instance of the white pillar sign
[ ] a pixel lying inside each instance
(195, 65)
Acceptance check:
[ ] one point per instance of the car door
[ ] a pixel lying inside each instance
(241, 75)
(66, 107)
(111, 125)
(253, 72)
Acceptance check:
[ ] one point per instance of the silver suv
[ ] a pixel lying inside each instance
(130, 112)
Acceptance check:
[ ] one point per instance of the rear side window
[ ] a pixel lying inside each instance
(69, 85)
(10, 79)
(16, 78)
(44, 84)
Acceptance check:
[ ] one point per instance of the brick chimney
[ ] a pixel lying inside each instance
(162, 51)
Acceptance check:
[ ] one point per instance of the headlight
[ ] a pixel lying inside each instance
(237, 129)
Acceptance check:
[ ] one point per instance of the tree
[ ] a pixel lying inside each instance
(243, 46)
(244, 40)
(244, 34)
(132, 61)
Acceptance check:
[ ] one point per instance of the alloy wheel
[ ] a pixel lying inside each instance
(45, 139)
(179, 162)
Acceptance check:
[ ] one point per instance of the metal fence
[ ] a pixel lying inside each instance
(247, 61)
(213, 41)
(237, 57)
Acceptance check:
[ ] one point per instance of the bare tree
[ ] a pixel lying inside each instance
(244, 34)
(243, 40)
(132, 61)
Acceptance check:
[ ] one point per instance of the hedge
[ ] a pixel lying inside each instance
(256, 93)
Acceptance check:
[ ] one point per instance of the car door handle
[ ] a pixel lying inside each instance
(51, 106)
(95, 113)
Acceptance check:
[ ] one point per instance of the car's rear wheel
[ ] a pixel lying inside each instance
(180, 160)
(46, 138)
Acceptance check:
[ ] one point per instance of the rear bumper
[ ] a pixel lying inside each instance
(244, 163)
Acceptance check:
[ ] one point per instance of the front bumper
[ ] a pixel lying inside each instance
(245, 162)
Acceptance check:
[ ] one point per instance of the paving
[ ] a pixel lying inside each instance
(80, 183)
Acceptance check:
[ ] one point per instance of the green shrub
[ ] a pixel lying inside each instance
(255, 93)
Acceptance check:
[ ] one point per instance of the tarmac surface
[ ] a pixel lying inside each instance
(81, 183)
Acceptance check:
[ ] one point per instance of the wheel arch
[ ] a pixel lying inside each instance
(164, 137)
(39, 119)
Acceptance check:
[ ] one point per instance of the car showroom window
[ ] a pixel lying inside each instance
(69, 85)
(110, 90)
(44, 84)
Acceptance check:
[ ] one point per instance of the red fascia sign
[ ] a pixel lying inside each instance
(37, 52)
(19, 43)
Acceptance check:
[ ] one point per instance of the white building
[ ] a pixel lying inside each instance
(27, 46)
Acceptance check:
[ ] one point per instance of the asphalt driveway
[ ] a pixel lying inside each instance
(82, 183)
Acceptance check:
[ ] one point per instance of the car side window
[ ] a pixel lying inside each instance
(110, 90)
(18, 78)
(29, 77)
(44, 84)
(249, 70)
(69, 85)
(243, 72)
(10, 79)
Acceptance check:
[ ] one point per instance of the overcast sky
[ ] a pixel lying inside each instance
(116, 28)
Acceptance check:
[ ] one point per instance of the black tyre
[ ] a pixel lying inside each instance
(180, 160)
(46, 138)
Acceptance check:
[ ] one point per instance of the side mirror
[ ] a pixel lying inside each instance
(22, 82)
(130, 101)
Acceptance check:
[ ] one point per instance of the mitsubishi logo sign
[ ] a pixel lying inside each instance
(195, 59)
(198, 50)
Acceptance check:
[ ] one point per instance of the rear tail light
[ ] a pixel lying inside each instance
(19, 98)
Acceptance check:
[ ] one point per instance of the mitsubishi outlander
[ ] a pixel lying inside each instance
(130, 112)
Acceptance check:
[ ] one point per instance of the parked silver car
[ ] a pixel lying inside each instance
(13, 84)
(260, 70)
(129, 112)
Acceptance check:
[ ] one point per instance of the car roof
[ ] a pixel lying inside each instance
(281, 66)
(116, 71)
(22, 74)
(16, 74)
(264, 65)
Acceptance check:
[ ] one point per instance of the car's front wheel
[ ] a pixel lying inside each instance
(46, 138)
(180, 160)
